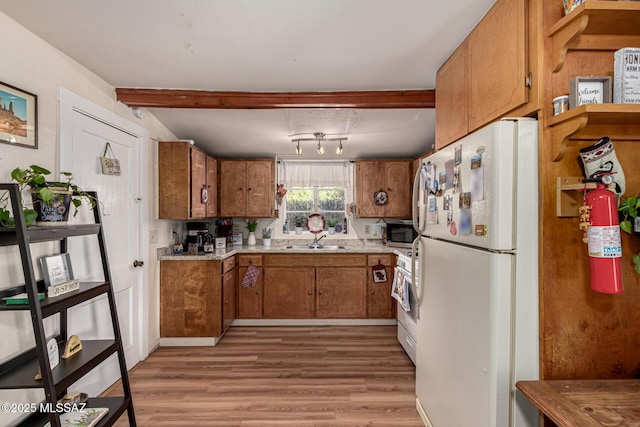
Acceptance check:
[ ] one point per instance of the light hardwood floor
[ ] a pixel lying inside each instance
(280, 376)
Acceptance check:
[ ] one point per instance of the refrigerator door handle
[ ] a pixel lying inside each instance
(415, 202)
(417, 292)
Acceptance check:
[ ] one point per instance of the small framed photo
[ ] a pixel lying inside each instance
(56, 269)
(589, 90)
(18, 110)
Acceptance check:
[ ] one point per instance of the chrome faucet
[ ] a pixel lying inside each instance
(316, 239)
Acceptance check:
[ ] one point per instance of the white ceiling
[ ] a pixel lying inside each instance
(266, 46)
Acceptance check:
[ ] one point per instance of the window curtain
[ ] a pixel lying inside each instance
(316, 174)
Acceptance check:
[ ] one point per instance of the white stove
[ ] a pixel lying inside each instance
(406, 310)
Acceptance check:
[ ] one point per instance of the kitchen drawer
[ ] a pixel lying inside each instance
(246, 260)
(388, 260)
(314, 260)
(228, 264)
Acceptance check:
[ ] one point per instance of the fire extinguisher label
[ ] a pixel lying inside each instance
(604, 242)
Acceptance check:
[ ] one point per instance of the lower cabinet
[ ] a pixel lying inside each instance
(197, 298)
(228, 292)
(288, 292)
(341, 292)
(307, 286)
(250, 298)
(380, 304)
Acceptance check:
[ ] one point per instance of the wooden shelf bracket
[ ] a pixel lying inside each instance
(563, 132)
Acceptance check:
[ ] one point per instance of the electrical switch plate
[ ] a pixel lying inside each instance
(153, 236)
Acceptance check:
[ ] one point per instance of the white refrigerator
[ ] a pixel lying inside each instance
(476, 211)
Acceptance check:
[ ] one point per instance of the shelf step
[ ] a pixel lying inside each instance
(66, 373)
(116, 405)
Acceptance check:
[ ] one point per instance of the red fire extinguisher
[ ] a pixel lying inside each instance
(605, 248)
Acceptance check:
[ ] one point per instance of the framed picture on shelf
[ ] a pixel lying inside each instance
(18, 117)
(589, 90)
(56, 269)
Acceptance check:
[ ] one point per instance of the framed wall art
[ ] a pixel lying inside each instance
(18, 117)
(589, 90)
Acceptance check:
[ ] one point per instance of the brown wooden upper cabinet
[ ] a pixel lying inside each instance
(186, 188)
(247, 188)
(393, 177)
(486, 76)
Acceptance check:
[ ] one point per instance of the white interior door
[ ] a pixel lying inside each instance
(86, 137)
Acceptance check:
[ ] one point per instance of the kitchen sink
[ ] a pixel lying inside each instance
(316, 247)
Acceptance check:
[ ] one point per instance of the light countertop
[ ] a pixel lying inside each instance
(164, 254)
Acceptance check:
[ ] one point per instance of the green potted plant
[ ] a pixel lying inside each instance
(51, 200)
(630, 222)
(299, 221)
(331, 225)
(266, 237)
(252, 224)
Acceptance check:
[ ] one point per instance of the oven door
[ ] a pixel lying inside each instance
(402, 291)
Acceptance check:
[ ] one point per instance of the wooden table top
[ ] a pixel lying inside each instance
(586, 403)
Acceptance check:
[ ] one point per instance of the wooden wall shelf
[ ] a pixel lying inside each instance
(570, 192)
(593, 121)
(595, 25)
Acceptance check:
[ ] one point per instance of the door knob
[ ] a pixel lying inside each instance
(137, 263)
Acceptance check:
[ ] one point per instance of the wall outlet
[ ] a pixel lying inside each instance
(367, 229)
(153, 236)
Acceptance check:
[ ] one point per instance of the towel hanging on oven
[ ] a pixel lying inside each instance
(399, 289)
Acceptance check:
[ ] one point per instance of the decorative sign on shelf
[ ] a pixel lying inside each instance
(58, 275)
(54, 356)
(589, 90)
(626, 76)
(74, 345)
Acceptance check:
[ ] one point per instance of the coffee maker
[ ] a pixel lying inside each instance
(198, 233)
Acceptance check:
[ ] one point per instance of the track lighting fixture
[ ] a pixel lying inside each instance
(320, 138)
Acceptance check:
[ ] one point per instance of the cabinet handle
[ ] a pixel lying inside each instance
(249, 189)
(226, 302)
(373, 292)
(319, 293)
(309, 293)
(257, 292)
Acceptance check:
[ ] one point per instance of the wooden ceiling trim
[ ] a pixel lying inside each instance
(171, 98)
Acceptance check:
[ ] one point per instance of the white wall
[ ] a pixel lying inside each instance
(33, 65)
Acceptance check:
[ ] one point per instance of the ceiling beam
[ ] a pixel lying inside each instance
(171, 98)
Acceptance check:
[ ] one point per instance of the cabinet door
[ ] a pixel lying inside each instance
(190, 299)
(260, 188)
(173, 180)
(212, 187)
(380, 304)
(228, 299)
(288, 292)
(368, 181)
(233, 179)
(341, 292)
(452, 98)
(497, 63)
(198, 182)
(250, 299)
(398, 187)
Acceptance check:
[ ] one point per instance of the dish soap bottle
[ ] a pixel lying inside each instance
(285, 227)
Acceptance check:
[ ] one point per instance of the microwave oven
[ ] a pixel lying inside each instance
(400, 233)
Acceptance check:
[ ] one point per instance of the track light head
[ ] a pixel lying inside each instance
(320, 148)
(339, 148)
